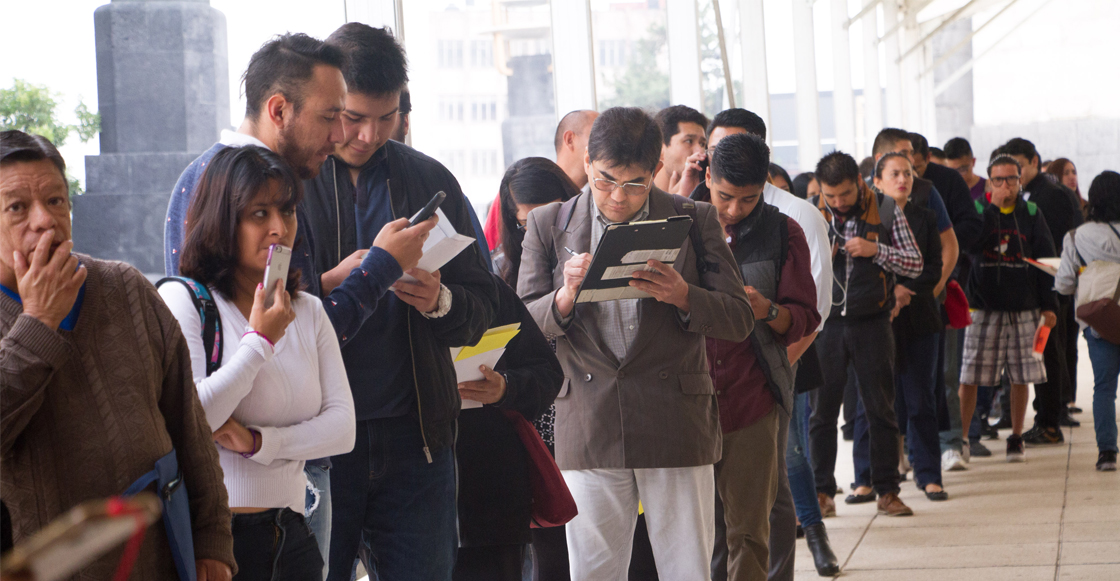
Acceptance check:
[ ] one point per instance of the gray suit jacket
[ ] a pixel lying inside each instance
(657, 407)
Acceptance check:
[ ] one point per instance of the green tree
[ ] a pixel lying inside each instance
(643, 83)
(31, 108)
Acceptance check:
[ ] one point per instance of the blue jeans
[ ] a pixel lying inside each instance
(275, 545)
(1105, 357)
(388, 496)
(952, 439)
(317, 508)
(801, 482)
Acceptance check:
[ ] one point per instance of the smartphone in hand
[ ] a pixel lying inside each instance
(428, 210)
(279, 259)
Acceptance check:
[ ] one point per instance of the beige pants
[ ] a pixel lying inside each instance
(747, 484)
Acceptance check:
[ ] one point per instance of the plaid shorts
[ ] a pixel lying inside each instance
(996, 340)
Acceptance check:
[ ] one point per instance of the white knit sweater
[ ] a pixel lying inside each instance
(296, 395)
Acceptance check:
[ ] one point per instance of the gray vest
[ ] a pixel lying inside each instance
(761, 246)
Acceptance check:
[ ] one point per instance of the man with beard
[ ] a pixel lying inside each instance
(872, 243)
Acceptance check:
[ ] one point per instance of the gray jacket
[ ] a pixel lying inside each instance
(656, 408)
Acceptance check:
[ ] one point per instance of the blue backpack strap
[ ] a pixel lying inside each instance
(208, 314)
(176, 510)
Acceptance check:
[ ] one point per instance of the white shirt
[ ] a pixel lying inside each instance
(295, 394)
(812, 222)
(236, 139)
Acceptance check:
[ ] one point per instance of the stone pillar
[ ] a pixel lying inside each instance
(163, 95)
(953, 107)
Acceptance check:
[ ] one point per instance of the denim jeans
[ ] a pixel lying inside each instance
(386, 495)
(952, 439)
(800, 472)
(1105, 357)
(275, 545)
(317, 508)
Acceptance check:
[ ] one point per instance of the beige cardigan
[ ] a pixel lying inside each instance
(87, 412)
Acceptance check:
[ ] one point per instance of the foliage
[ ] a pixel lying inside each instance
(32, 109)
(643, 83)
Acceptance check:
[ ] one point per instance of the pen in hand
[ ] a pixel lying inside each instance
(570, 251)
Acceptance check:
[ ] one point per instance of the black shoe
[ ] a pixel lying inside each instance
(978, 450)
(1015, 451)
(988, 431)
(1074, 409)
(800, 532)
(1039, 436)
(847, 433)
(1067, 421)
(1106, 462)
(825, 560)
(1004, 423)
(938, 496)
(860, 498)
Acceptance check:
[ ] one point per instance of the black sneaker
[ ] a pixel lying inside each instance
(978, 450)
(1106, 461)
(1004, 423)
(1067, 421)
(1015, 452)
(1074, 409)
(988, 431)
(1039, 436)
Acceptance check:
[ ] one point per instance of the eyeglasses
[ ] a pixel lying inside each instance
(630, 189)
(522, 225)
(1007, 180)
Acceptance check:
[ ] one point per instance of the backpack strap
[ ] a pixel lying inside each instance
(686, 207)
(208, 314)
(1032, 208)
(1073, 241)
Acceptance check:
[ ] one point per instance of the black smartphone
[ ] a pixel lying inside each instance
(428, 210)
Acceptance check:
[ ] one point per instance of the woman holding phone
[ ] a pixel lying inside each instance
(280, 396)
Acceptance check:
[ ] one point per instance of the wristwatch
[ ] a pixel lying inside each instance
(772, 313)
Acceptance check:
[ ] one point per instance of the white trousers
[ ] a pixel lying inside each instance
(679, 505)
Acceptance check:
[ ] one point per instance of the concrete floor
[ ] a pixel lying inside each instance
(1053, 518)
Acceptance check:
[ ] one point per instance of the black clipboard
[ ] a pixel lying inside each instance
(625, 248)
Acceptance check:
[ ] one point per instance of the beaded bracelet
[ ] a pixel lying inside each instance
(256, 435)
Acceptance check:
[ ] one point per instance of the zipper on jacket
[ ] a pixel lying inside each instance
(412, 354)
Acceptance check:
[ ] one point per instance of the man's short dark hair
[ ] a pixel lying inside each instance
(920, 144)
(1020, 146)
(742, 118)
(406, 102)
(1004, 159)
(377, 66)
(1104, 198)
(957, 148)
(670, 119)
(867, 167)
(836, 168)
(743, 159)
(885, 140)
(625, 136)
(16, 145)
(937, 152)
(284, 65)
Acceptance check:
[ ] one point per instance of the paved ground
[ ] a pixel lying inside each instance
(1053, 518)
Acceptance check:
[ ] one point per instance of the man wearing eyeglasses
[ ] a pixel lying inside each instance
(1008, 297)
(637, 416)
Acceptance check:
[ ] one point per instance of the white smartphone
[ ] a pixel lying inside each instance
(279, 259)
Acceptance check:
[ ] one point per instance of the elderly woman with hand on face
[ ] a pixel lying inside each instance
(95, 377)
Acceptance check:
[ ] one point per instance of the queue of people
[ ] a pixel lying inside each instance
(318, 422)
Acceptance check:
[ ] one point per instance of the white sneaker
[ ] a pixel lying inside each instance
(966, 453)
(951, 461)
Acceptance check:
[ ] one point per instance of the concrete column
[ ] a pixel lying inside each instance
(872, 87)
(756, 86)
(953, 107)
(893, 72)
(842, 98)
(573, 61)
(686, 85)
(163, 94)
(808, 100)
(909, 69)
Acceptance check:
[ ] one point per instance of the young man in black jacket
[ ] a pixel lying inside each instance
(395, 492)
(1008, 297)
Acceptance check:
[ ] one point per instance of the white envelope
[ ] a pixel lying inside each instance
(443, 244)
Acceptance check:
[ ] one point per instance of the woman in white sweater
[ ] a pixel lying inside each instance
(280, 396)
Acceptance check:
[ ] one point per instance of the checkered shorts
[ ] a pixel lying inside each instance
(996, 340)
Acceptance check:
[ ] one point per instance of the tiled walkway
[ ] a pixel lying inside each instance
(1053, 518)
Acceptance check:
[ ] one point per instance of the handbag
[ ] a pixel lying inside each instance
(553, 504)
(956, 306)
(1095, 306)
(176, 511)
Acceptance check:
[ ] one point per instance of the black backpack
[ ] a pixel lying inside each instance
(208, 313)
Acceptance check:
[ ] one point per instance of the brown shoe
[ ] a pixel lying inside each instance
(828, 506)
(891, 505)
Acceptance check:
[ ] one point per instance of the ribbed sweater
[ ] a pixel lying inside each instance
(87, 412)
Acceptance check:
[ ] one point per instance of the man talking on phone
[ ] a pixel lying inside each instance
(395, 492)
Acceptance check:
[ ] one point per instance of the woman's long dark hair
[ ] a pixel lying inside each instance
(1104, 198)
(779, 171)
(533, 180)
(232, 179)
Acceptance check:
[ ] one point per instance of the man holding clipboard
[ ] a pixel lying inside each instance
(636, 417)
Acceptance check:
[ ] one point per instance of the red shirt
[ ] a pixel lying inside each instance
(740, 382)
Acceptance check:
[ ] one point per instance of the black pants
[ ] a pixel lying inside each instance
(275, 545)
(866, 345)
(1073, 330)
(493, 563)
(550, 554)
(1048, 396)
